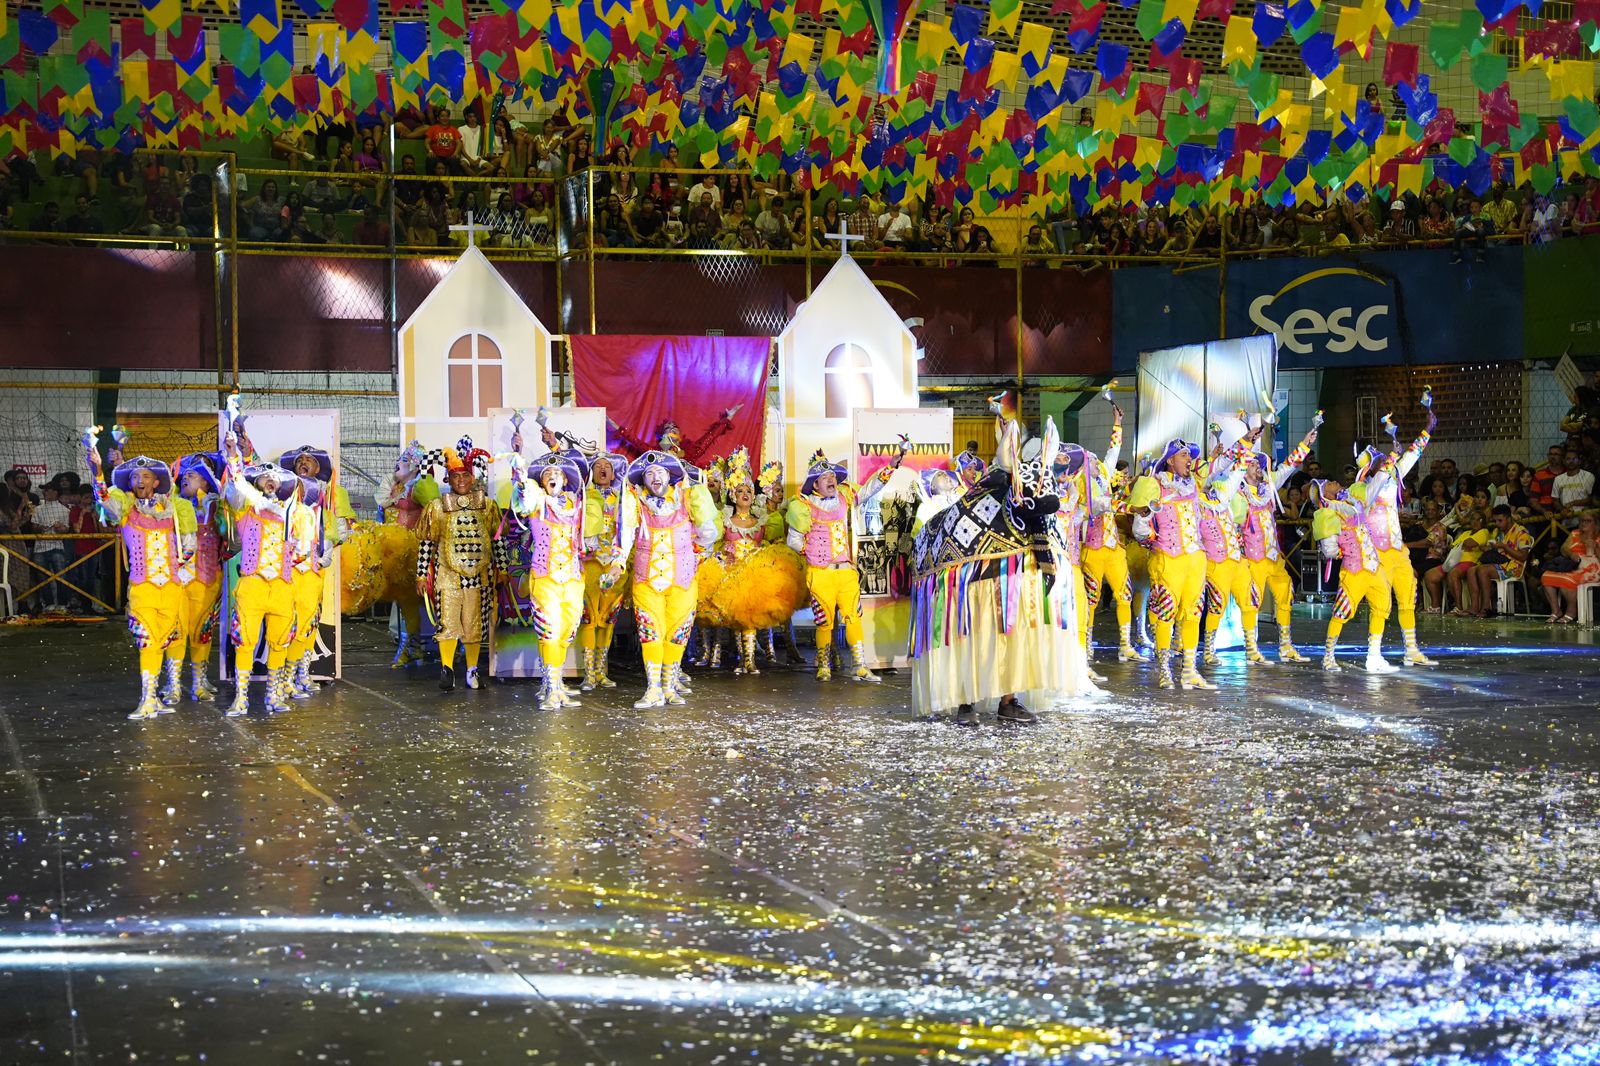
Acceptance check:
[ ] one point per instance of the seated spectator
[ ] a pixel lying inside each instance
(1501, 210)
(675, 227)
(745, 240)
(861, 221)
(1207, 240)
(1573, 488)
(371, 231)
(1401, 227)
(444, 142)
(321, 192)
(1505, 557)
(506, 226)
(470, 155)
(896, 227)
(706, 191)
(1466, 548)
(163, 212)
(1544, 476)
(700, 235)
(1035, 247)
(83, 219)
(1541, 220)
(408, 185)
(539, 220)
(1472, 227)
(646, 226)
(1434, 549)
(292, 218)
(1580, 565)
(1436, 225)
(264, 213)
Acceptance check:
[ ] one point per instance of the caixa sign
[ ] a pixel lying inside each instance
(1336, 311)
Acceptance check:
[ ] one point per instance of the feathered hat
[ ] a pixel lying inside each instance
(820, 464)
(674, 467)
(122, 476)
(1174, 446)
(413, 456)
(719, 467)
(571, 467)
(771, 474)
(738, 472)
(207, 464)
(324, 461)
(286, 478)
(463, 457)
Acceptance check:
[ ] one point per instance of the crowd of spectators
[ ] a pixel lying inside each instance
(36, 520)
(654, 202)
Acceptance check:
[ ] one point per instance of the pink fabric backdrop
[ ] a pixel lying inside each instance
(641, 381)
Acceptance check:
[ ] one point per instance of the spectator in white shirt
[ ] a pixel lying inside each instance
(50, 556)
(770, 222)
(895, 225)
(706, 191)
(471, 154)
(1573, 488)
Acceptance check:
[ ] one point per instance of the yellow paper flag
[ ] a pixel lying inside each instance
(1238, 42)
(797, 48)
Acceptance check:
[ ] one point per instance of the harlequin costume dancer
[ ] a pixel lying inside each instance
(1167, 508)
(402, 499)
(322, 504)
(460, 560)
(1383, 520)
(610, 518)
(1068, 480)
(675, 519)
(199, 482)
(760, 581)
(1258, 499)
(550, 499)
(1361, 575)
(1104, 558)
(140, 502)
(260, 499)
(981, 626)
(820, 529)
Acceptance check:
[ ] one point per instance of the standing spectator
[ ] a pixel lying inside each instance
(49, 555)
(85, 572)
(1573, 488)
(1544, 477)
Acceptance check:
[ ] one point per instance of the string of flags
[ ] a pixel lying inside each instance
(734, 83)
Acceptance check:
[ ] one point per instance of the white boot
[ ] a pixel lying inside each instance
(549, 697)
(1376, 663)
(303, 688)
(605, 667)
(474, 682)
(1286, 650)
(278, 690)
(171, 691)
(1252, 650)
(1164, 669)
(673, 689)
(200, 687)
(149, 704)
(591, 680)
(1210, 657)
(241, 697)
(653, 694)
(565, 695)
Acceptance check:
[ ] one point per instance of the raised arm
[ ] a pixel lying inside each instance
(1296, 458)
(696, 448)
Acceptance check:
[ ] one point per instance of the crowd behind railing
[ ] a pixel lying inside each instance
(345, 187)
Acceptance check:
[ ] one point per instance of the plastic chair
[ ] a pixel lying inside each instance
(10, 596)
(1505, 596)
(1586, 594)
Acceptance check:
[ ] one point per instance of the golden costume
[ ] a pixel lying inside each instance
(460, 562)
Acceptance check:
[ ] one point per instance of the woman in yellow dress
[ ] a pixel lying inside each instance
(764, 580)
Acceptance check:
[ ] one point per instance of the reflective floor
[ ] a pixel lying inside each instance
(1300, 868)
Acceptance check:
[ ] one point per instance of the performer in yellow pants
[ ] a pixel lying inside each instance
(140, 503)
(675, 518)
(1361, 579)
(1167, 508)
(1383, 521)
(326, 517)
(550, 500)
(199, 482)
(819, 529)
(259, 497)
(1256, 509)
(1225, 580)
(610, 521)
(1104, 559)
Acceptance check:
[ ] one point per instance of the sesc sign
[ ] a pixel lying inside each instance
(1336, 314)
(1322, 315)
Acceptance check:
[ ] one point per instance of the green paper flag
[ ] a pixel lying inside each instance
(1311, 26)
(1489, 71)
(1263, 90)
(1150, 19)
(1463, 149)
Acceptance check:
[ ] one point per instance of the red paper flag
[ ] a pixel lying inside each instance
(1400, 64)
(1160, 60)
(135, 41)
(1185, 73)
(1220, 10)
(187, 39)
(1151, 97)
(163, 77)
(305, 92)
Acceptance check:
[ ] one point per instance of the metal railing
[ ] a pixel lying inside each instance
(23, 562)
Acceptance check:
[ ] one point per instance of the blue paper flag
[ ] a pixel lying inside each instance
(1268, 23)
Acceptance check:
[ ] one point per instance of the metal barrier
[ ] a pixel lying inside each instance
(110, 542)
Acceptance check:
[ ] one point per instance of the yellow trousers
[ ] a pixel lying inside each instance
(557, 610)
(1395, 565)
(1354, 587)
(155, 618)
(198, 622)
(262, 604)
(835, 594)
(1271, 575)
(1177, 587)
(1084, 617)
(1108, 566)
(665, 620)
(600, 607)
(307, 587)
(1231, 579)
